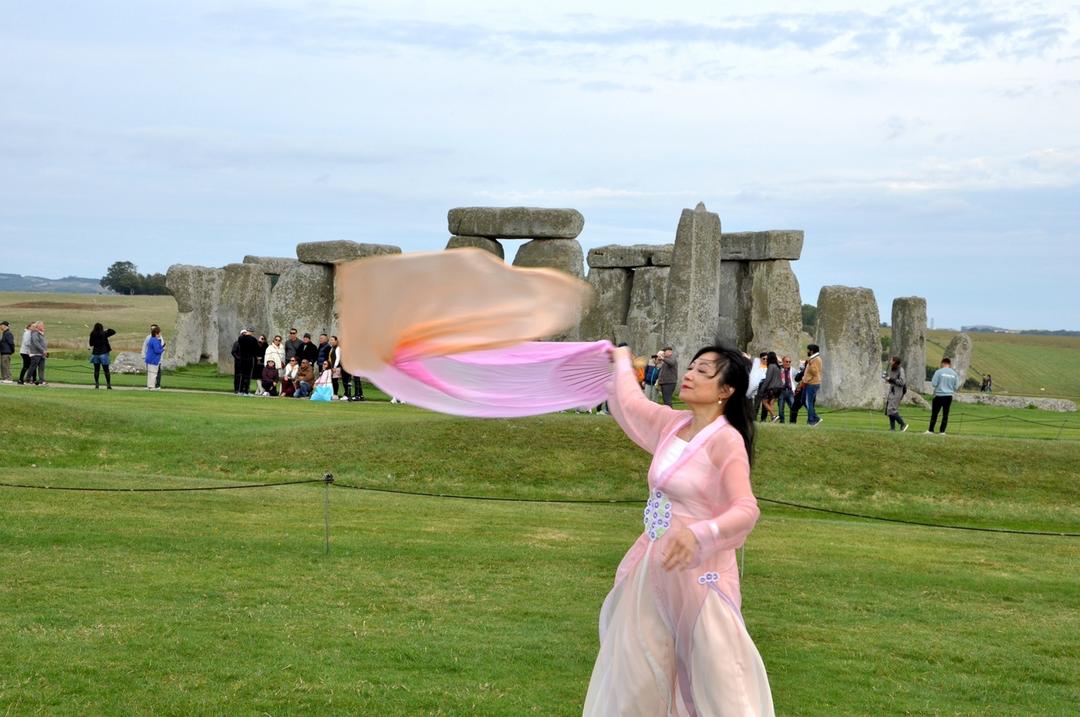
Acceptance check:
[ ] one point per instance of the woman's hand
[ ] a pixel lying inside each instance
(681, 550)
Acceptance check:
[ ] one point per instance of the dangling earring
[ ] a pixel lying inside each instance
(720, 403)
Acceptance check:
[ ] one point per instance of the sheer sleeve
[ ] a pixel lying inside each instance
(642, 420)
(728, 529)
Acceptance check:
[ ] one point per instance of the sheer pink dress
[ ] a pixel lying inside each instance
(674, 642)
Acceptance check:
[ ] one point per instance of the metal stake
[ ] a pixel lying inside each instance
(327, 480)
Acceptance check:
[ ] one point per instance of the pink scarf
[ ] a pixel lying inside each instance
(452, 332)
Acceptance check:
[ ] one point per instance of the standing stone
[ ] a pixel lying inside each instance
(693, 293)
(196, 290)
(337, 252)
(275, 265)
(611, 299)
(645, 316)
(850, 341)
(562, 254)
(775, 308)
(733, 317)
(303, 298)
(489, 245)
(244, 303)
(959, 350)
(515, 222)
(909, 338)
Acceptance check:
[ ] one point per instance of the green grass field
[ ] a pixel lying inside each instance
(225, 603)
(69, 317)
(1021, 365)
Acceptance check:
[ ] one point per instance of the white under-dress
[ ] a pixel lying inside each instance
(635, 671)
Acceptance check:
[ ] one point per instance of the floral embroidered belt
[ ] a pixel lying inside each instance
(657, 517)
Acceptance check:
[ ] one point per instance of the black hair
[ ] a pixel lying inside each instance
(813, 348)
(733, 370)
(947, 360)
(97, 330)
(771, 360)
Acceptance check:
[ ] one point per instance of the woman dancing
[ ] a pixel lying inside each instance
(672, 639)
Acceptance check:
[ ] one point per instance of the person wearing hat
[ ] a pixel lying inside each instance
(308, 350)
(7, 348)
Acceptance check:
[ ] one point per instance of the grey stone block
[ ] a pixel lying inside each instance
(515, 222)
(960, 350)
(244, 303)
(850, 341)
(562, 254)
(611, 299)
(487, 244)
(303, 298)
(336, 252)
(909, 338)
(775, 308)
(693, 293)
(196, 290)
(762, 246)
(272, 264)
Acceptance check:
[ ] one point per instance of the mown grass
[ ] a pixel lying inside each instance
(69, 317)
(224, 603)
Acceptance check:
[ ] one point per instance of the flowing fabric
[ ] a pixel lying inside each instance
(453, 332)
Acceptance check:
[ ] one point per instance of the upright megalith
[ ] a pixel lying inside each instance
(693, 291)
(562, 254)
(340, 251)
(611, 300)
(515, 222)
(244, 303)
(487, 244)
(850, 342)
(909, 338)
(775, 308)
(645, 315)
(303, 298)
(959, 352)
(196, 290)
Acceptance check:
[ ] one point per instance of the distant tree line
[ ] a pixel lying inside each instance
(123, 277)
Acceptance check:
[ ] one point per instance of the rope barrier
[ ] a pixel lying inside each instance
(329, 480)
(83, 489)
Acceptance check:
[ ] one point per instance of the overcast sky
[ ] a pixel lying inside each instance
(926, 149)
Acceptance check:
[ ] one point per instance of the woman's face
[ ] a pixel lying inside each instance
(701, 382)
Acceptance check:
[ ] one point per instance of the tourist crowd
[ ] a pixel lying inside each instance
(292, 368)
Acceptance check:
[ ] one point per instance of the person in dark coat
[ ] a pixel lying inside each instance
(257, 364)
(292, 345)
(269, 378)
(99, 354)
(897, 388)
(7, 348)
(307, 351)
(243, 353)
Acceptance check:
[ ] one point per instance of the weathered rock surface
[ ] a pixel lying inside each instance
(132, 362)
(562, 254)
(959, 350)
(909, 337)
(611, 299)
(914, 398)
(733, 319)
(196, 290)
(1058, 405)
(629, 256)
(761, 246)
(303, 298)
(645, 316)
(847, 333)
(516, 222)
(775, 308)
(336, 252)
(693, 292)
(489, 245)
(272, 264)
(244, 303)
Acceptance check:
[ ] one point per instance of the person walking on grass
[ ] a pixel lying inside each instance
(155, 347)
(811, 382)
(24, 352)
(897, 388)
(146, 341)
(38, 349)
(7, 348)
(945, 383)
(787, 389)
(99, 354)
(669, 374)
(771, 386)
